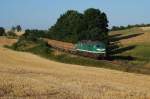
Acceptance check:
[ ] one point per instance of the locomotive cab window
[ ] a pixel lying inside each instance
(98, 46)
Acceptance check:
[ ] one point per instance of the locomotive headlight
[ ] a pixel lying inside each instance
(98, 49)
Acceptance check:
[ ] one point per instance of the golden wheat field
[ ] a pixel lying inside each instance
(24, 75)
(143, 37)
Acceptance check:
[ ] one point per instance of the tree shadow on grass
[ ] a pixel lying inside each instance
(118, 37)
(119, 57)
(122, 49)
(114, 36)
(115, 49)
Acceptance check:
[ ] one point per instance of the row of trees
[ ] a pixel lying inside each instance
(11, 32)
(33, 35)
(16, 28)
(115, 28)
(73, 26)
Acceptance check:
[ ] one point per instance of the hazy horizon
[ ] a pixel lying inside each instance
(41, 14)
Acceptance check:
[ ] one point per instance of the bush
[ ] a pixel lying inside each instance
(42, 48)
(18, 28)
(33, 35)
(11, 33)
(2, 31)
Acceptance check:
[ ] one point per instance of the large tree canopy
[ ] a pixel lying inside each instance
(96, 24)
(74, 26)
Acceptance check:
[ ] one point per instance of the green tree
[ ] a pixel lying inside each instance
(2, 31)
(13, 29)
(96, 24)
(67, 27)
(12, 34)
(18, 28)
(33, 35)
(73, 26)
(114, 28)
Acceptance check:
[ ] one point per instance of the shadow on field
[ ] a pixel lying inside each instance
(118, 37)
(119, 57)
(115, 48)
(122, 49)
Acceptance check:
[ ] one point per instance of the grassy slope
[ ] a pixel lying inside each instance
(42, 50)
(142, 43)
(140, 52)
(22, 75)
(27, 75)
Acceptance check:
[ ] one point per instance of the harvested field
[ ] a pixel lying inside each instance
(143, 38)
(29, 76)
(145, 28)
(6, 41)
(59, 44)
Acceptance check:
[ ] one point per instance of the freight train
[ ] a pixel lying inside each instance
(92, 49)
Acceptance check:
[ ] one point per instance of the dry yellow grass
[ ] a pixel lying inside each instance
(24, 75)
(20, 33)
(60, 44)
(143, 38)
(145, 28)
(6, 41)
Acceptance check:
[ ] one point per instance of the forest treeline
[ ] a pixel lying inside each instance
(115, 28)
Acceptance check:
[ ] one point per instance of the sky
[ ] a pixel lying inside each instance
(42, 14)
